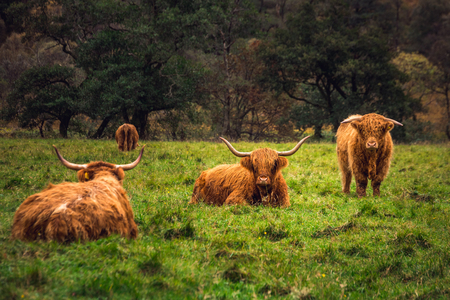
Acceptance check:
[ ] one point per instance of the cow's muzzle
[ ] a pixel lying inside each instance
(371, 145)
(263, 180)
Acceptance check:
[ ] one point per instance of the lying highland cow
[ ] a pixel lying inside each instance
(93, 208)
(256, 180)
(127, 137)
(364, 149)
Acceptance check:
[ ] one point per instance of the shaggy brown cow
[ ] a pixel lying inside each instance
(256, 180)
(93, 208)
(127, 137)
(364, 149)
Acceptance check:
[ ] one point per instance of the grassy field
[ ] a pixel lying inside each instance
(325, 246)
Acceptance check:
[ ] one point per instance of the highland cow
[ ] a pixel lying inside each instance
(257, 180)
(127, 137)
(364, 149)
(93, 208)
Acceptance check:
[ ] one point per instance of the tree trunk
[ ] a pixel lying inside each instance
(125, 117)
(318, 132)
(41, 128)
(447, 100)
(226, 127)
(140, 121)
(64, 125)
(238, 124)
(101, 128)
(336, 125)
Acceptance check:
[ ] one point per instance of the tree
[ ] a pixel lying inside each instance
(44, 93)
(430, 35)
(334, 66)
(229, 22)
(429, 25)
(132, 54)
(422, 76)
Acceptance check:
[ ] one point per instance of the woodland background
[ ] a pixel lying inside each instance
(244, 69)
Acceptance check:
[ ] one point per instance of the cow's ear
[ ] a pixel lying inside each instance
(120, 174)
(246, 162)
(389, 126)
(355, 124)
(82, 175)
(282, 162)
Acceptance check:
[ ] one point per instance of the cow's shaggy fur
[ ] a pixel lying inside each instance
(127, 137)
(95, 207)
(364, 149)
(256, 180)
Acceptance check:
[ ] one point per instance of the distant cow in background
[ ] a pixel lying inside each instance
(364, 149)
(93, 208)
(256, 180)
(127, 137)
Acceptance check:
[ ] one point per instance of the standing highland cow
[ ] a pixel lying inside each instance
(256, 180)
(93, 208)
(364, 149)
(127, 137)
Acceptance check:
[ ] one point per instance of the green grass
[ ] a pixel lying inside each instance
(325, 246)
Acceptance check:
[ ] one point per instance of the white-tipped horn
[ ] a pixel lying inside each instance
(234, 151)
(290, 152)
(133, 164)
(348, 120)
(67, 163)
(393, 121)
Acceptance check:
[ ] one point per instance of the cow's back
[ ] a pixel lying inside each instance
(219, 182)
(345, 137)
(74, 211)
(127, 137)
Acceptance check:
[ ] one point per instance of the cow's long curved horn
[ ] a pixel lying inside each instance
(68, 164)
(358, 118)
(393, 121)
(290, 152)
(133, 164)
(234, 151)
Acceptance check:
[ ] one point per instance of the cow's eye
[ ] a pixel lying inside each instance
(275, 166)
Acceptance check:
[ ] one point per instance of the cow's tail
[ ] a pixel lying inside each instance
(128, 141)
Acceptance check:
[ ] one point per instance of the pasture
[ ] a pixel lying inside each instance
(326, 245)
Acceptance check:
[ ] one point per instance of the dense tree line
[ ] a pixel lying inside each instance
(243, 68)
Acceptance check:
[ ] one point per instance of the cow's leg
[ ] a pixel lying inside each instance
(361, 182)
(198, 186)
(135, 142)
(277, 200)
(236, 198)
(195, 194)
(346, 181)
(361, 185)
(376, 182)
(346, 178)
(127, 142)
(381, 172)
(346, 173)
(279, 196)
(376, 187)
(360, 172)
